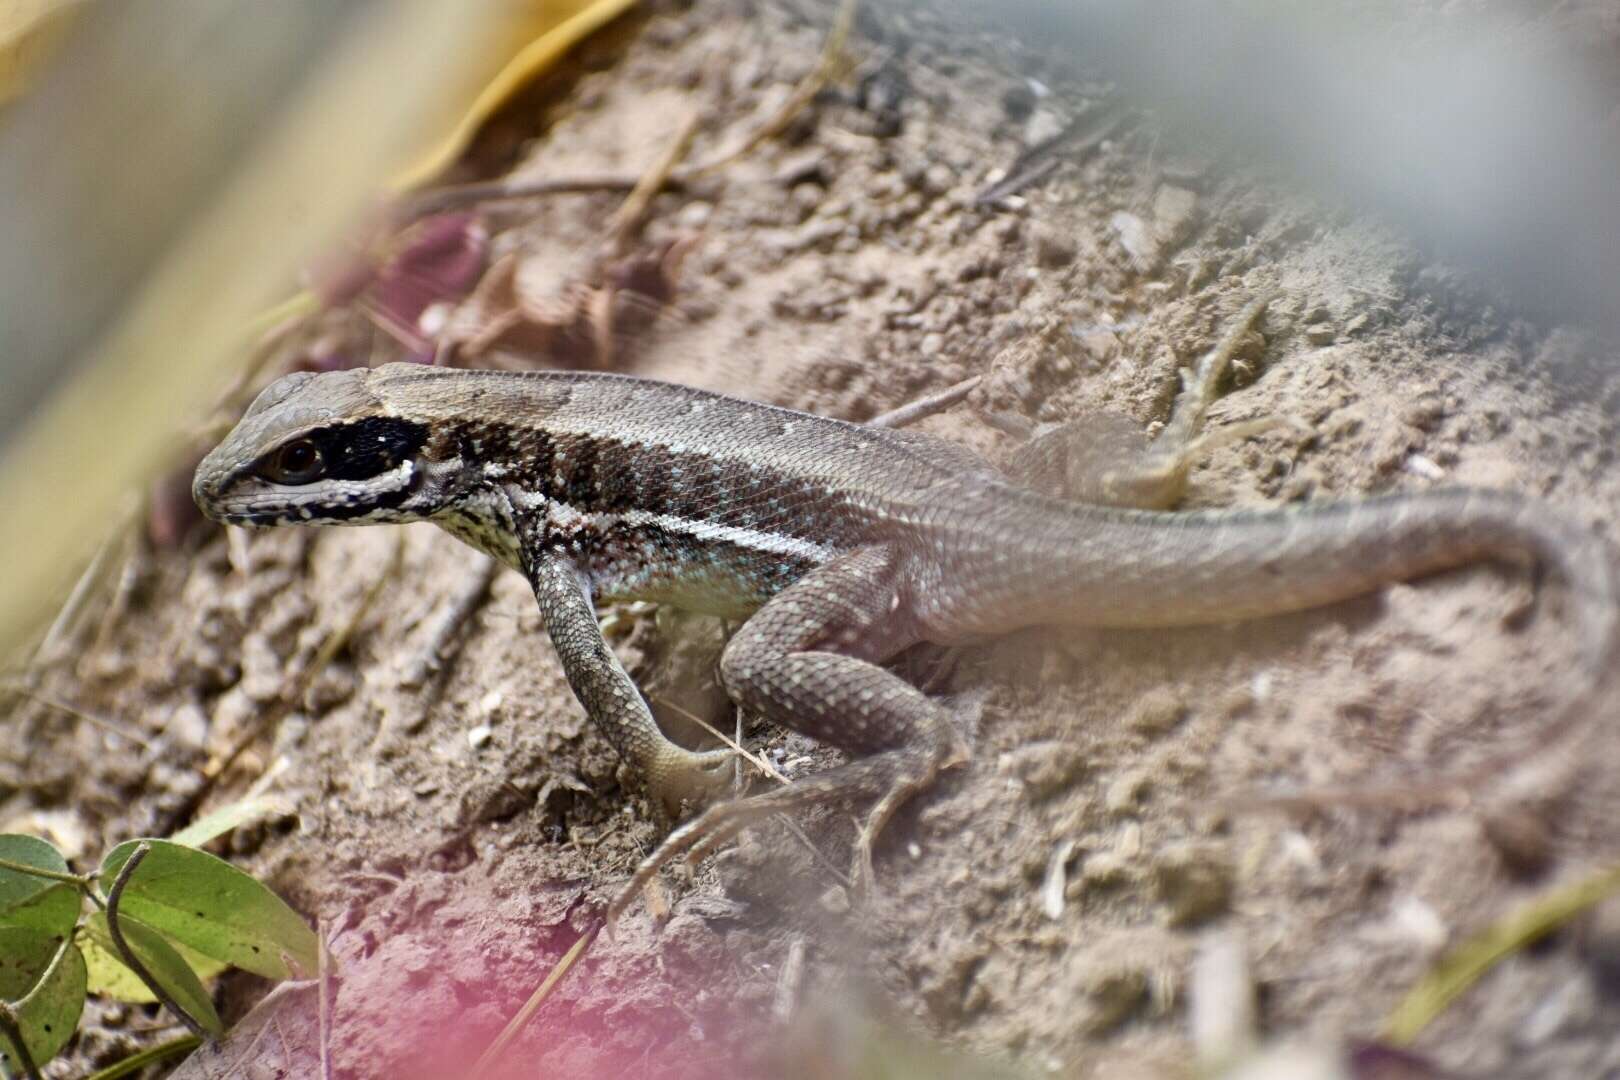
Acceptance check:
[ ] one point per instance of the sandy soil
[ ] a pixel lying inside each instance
(1044, 904)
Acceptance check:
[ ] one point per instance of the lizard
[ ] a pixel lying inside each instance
(839, 545)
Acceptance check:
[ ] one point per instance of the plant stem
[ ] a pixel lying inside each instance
(138, 1061)
(127, 955)
(38, 871)
(13, 1034)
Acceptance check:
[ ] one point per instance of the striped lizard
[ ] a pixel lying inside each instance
(839, 544)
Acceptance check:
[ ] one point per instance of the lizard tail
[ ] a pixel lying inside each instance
(1097, 566)
(1591, 577)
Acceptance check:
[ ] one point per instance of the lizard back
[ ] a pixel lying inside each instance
(668, 492)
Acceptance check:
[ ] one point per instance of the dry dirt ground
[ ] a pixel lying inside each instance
(1042, 906)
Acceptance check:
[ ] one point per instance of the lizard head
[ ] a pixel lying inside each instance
(322, 449)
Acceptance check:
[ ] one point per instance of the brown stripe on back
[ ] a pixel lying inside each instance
(598, 473)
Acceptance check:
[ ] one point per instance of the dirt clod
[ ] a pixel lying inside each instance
(1194, 882)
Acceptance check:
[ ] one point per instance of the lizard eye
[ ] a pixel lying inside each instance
(299, 462)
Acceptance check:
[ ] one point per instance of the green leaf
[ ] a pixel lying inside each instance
(163, 962)
(25, 900)
(213, 907)
(106, 975)
(226, 818)
(25, 953)
(110, 978)
(50, 1012)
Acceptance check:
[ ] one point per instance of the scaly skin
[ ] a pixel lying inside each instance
(841, 545)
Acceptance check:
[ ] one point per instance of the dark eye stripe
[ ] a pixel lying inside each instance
(365, 448)
(370, 447)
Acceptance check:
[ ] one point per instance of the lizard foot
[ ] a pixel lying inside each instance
(862, 874)
(953, 752)
(1107, 459)
(685, 779)
(892, 777)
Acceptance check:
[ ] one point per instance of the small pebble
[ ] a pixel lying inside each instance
(1103, 869)
(1107, 998)
(1044, 768)
(1421, 466)
(1298, 850)
(1019, 101)
(1137, 240)
(1416, 922)
(937, 180)
(1193, 882)
(1156, 712)
(1521, 838)
(1054, 249)
(694, 215)
(1125, 792)
(1174, 211)
(1042, 126)
(188, 727)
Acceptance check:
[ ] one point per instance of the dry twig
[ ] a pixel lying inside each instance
(487, 1059)
(913, 411)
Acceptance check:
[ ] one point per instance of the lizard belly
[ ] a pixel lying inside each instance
(634, 559)
(693, 563)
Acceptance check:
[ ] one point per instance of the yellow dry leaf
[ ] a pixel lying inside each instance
(541, 31)
(315, 158)
(30, 30)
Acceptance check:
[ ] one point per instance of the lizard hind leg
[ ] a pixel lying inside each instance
(809, 659)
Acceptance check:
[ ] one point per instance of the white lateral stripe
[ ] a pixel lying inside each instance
(566, 516)
(775, 543)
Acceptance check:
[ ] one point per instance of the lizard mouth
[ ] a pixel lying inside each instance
(241, 497)
(288, 471)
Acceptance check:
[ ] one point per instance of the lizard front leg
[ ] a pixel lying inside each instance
(673, 774)
(809, 660)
